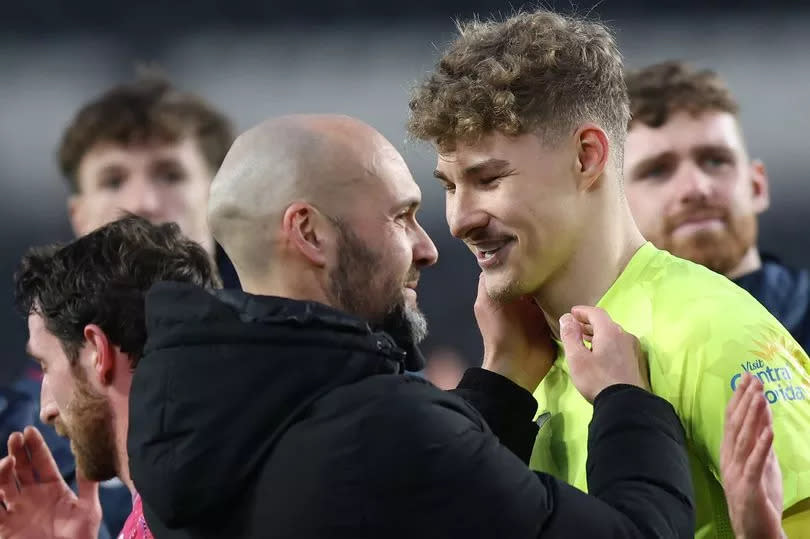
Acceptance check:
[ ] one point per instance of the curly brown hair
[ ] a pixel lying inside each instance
(534, 72)
(102, 278)
(660, 90)
(149, 109)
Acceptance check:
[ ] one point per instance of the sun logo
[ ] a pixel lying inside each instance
(772, 343)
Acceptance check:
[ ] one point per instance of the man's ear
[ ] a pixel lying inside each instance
(104, 356)
(592, 152)
(307, 230)
(760, 187)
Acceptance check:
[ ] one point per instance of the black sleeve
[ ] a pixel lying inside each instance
(507, 408)
(638, 472)
(637, 460)
(461, 482)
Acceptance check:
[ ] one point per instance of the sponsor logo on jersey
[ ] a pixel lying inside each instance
(779, 382)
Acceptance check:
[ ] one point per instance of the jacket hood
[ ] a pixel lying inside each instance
(223, 375)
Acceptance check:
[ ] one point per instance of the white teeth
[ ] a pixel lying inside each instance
(488, 254)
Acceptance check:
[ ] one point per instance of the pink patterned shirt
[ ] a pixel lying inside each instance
(135, 527)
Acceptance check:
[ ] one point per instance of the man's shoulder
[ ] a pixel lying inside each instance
(686, 297)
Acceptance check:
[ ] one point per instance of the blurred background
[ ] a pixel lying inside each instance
(255, 59)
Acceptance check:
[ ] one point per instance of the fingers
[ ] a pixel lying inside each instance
(594, 317)
(736, 410)
(755, 463)
(22, 464)
(734, 413)
(42, 462)
(8, 481)
(7, 472)
(571, 335)
(753, 407)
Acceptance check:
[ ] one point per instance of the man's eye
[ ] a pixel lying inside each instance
(112, 183)
(656, 172)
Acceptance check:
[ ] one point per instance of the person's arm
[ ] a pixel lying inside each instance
(457, 479)
(633, 433)
(638, 473)
(518, 353)
(638, 464)
(507, 408)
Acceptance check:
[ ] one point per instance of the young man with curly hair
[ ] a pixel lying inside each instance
(529, 118)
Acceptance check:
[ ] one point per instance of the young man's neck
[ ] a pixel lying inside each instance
(601, 257)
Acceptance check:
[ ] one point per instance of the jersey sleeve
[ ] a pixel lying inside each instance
(724, 344)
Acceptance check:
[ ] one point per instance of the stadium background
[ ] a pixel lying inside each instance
(256, 59)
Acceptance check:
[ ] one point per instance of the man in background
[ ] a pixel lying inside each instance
(695, 191)
(151, 150)
(84, 304)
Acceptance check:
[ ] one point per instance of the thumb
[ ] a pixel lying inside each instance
(571, 336)
(88, 490)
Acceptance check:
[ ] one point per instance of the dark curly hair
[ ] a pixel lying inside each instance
(148, 109)
(102, 278)
(660, 90)
(533, 72)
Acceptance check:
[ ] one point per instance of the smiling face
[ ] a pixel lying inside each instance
(514, 202)
(381, 250)
(693, 190)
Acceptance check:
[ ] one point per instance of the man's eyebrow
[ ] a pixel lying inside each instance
(485, 165)
(475, 169)
(650, 160)
(411, 204)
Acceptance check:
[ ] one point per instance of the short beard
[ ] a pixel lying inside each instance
(90, 431)
(720, 252)
(405, 324)
(352, 287)
(508, 291)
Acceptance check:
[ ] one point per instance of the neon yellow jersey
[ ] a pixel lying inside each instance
(701, 332)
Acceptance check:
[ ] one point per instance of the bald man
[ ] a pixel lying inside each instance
(318, 214)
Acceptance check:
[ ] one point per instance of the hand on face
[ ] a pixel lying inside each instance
(37, 503)
(615, 356)
(517, 341)
(751, 476)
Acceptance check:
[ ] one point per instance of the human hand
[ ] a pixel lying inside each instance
(615, 356)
